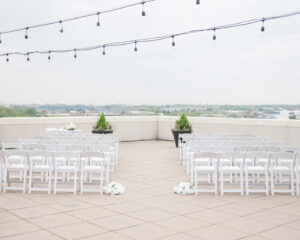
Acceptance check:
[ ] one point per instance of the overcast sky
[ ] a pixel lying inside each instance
(243, 66)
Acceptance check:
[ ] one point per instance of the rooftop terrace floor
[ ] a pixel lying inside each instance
(149, 209)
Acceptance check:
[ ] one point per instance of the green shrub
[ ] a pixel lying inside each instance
(182, 123)
(102, 124)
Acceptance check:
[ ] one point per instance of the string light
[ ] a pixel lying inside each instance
(159, 38)
(263, 25)
(28, 59)
(26, 35)
(135, 47)
(173, 42)
(98, 22)
(49, 57)
(7, 59)
(61, 26)
(214, 37)
(75, 55)
(77, 18)
(198, 2)
(143, 12)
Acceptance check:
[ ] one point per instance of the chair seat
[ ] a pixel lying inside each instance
(16, 166)
(202, 160)
(205, 168)
(230, 168)
(67, 168)
(281, 169)
(93, 168)
(255, 169)
(41, 168)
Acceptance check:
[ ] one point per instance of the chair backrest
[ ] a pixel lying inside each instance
(283, 158)
(289, 149)
(15, 157)
(66, 158)
(268, 149)
(94, 158)
(39, 158)
(11, 145)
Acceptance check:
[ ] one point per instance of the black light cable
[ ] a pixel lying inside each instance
(159, 38)
(76, 18)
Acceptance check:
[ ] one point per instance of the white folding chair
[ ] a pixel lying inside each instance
(282, 164)
(93, 163)
(227, 167)
(40, 162)
(65, 163)
(1, 168)
(207, 163)
(257, 164)
(297, 171)
(15, 161)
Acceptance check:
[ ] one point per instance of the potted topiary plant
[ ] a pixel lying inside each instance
(181, 126)
(102, 126)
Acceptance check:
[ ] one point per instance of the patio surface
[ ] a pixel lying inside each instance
(149, 209)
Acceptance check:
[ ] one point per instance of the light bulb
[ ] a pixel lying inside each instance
(214, 37)
(143, 11)
(263, 26)
(75, 55)
(135, 47)
(98, 22)
(103, 53)
(26, 35)
(173, 42)
(61, 27)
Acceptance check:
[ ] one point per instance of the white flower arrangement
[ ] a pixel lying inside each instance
(70, 127)
(184, 188)
(114, 188)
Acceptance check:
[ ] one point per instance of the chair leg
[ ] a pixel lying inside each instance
(81, 182)
(30, 181)
(267, 183)
(272, 183)
(297, 182)
(196, 182)
(222, 183)
(216, 183)
(292, 182)
(242, 182)
(49, 182)
(247, 182)
(0, 178)
(5, 180)
(75, 183)
(101, 181)
(24, 179)
(55, 181)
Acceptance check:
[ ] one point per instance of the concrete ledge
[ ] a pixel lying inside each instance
(155, 127)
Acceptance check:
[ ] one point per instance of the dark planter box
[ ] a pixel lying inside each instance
(102, 132)
(176, 135)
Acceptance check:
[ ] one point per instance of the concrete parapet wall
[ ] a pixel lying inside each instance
(152, 128)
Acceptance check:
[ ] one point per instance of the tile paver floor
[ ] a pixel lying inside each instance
(149, 210)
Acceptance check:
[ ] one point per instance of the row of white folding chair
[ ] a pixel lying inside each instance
(187, 151)
(65, 163)
(105, 146)
(240, 164)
